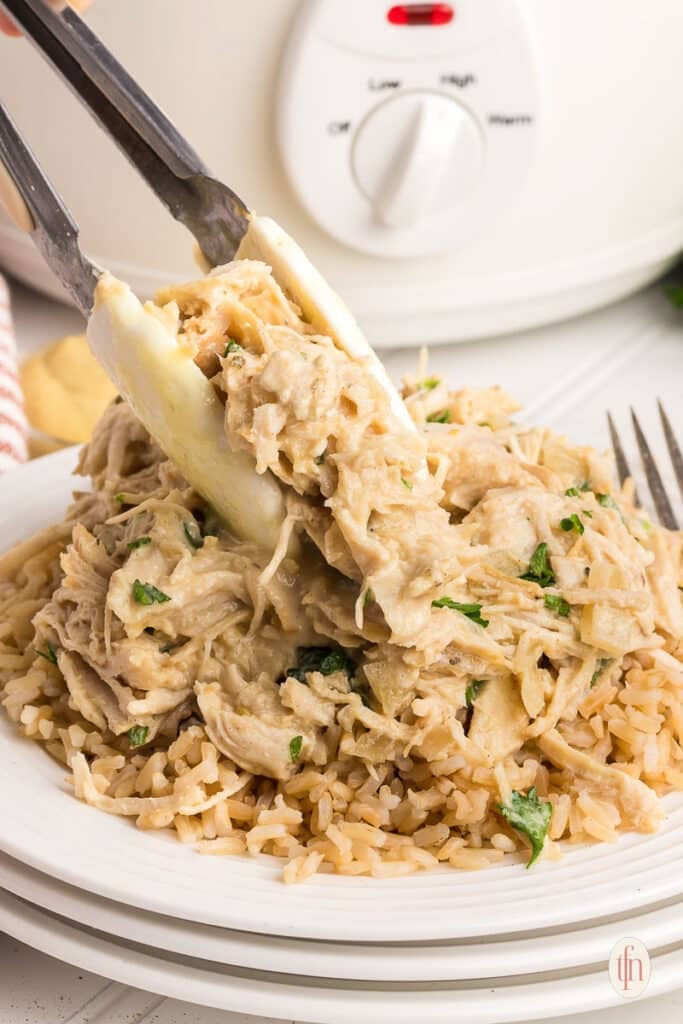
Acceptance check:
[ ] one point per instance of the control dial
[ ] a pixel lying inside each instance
(406, 140)
(416, 157)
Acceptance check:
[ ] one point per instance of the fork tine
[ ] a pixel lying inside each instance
(623, 470)
(657, 490)
(672, 445)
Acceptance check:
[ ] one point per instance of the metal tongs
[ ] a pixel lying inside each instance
(211, 211)
(137, 348)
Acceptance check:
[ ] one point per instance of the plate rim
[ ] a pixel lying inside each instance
(328, 907)
(324, 1003)
(588, 946)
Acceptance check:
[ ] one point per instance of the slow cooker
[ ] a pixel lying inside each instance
(455, 169)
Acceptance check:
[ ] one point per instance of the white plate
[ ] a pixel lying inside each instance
(325, 1002)
(508, 956)
(46, 828)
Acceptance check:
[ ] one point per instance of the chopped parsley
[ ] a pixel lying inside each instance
(319, 459)
(325, 660)
(603, 663)
(429, 383)
(362, 689)
(139, 542)
(470, 611)
(336, 661)
(328, 660)
(674, 293)
(232, 346)
(539, 570)
(406, 483)
(192, 534)
(121, 498)
(295, 745)
(369, 597)
(50, 654)
(587, 512)
(137, 735)
(472, 691)
(146, 593)
(572, 522)
(530, 816)
(558, 604)
(606, 500)
(440, 417)
(575, 492)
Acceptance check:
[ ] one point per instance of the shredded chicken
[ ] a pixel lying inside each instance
(462, 601)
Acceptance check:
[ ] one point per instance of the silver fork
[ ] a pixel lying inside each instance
(660, 498)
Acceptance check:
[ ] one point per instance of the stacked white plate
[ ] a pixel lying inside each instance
(504, 944)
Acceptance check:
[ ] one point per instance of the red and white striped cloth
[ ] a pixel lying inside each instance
(13, 426)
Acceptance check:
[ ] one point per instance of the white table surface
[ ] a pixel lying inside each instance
(561, 374)
(35, 989)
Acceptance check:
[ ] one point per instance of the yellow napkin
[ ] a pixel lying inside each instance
(65, 393)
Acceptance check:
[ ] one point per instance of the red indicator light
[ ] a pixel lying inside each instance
(420, 14)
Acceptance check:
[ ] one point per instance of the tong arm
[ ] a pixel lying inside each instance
(40, 210)
(211, 211)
